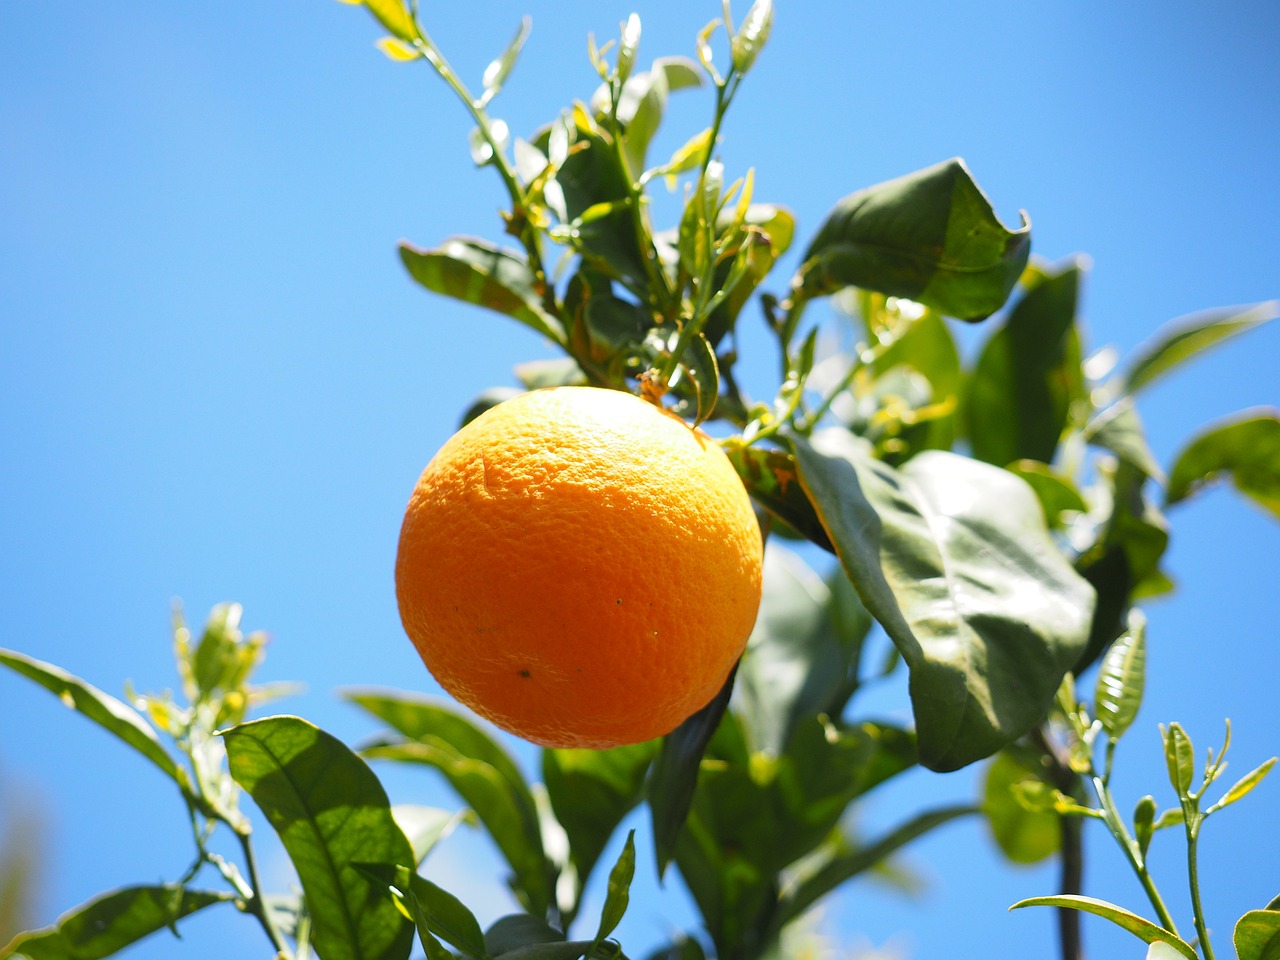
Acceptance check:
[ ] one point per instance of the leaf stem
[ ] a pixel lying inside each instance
(1193, 821)
(1129, 847)
(256, 905)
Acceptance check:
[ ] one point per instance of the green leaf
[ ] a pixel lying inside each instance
(703, 371)
(675, 773)
(424, 827)
(447, 917)
(1179, 757)
(931, 236)
(1023, 835)
(928, 348)
(1056, 493)
(803, 652)
(108, 924)
(393, 15)
(1144, 816)
(1122, 677)
(618, 894)
(952, 557)
(752, 35)
(1118, 429)
(330, 812)
(770, 477)
(844, 866)
(495, 75)
(1247, 447)
(482, 773)
(1257, 935)
(475, 271)
(518, 930)
(1242, 787)
(1018, 397)
(590, 792)
(103, 709)
(1144, 930)
(1184, 339)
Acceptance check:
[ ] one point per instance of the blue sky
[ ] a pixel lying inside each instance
(216, 382)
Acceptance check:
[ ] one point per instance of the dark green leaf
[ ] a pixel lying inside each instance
(683, 948)
(475, 271)
(1144, 930)
(700, 365)
(1247, 447)
(1184, 339)
(590, 792)
(928, 348)
(1257, 935)
(518, 930)
(771, 479)
(110, 923)
(931, 236)
(447, 917)
(103, 709)
(618, 894)
(487, 401)
(1179, 757)
(1144, 817)
(1122, 677)
(1057, 494)
(482, 772)
(846, 865)
(1023, 835)
(1018, 398)
(330, 812)
(675, 773)
(952, 557)
(1119, 430)
(803, 651)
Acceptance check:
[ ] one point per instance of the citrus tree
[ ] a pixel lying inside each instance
(583, 565)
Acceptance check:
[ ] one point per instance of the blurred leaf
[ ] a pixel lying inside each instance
(1247, 447)
(928, 348)
(477, 272)
(103, 709)
(1257, 935)
(752, 35)
(770, 477)
(1056, 493)
(931, 236)
(111, 922)
(556, 372)
(518, 930)
(1122, 677)
(1144, 930)
(482, 773)
(487, 400)
(1144, 817)
(446, 917)
(804, 649)
(590, 792)
(675, 773)
(424, 827)
(952, 557)
(682, 948)
(1180, 341)
(1244, 786)
(841, 868)
(392, 14)
(397, 50)
(1023, 835)
(618, 893)
(495, 75)
(1119, 430)
(330, 812)
(1018, 397)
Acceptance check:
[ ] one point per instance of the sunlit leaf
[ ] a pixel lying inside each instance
(108, 924)
(1244, 786)
(397, 50)
(752, 35)
(1257, 935)
(330, 812)
(1179, 757)
(1144, 930)
(495, 75)
(1247, 448)
(1122, 677)
(424, 827)
(1023, 835)
(1056, 493)
(1119, 430)
(931, 236)
(770, 477)
(952, 557)
(1184, 339)
(618, 892)
(393, 15)
(476, 272)
(447, 917)
(103, 709)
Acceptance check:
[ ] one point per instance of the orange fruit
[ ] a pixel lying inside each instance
(580, 567)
